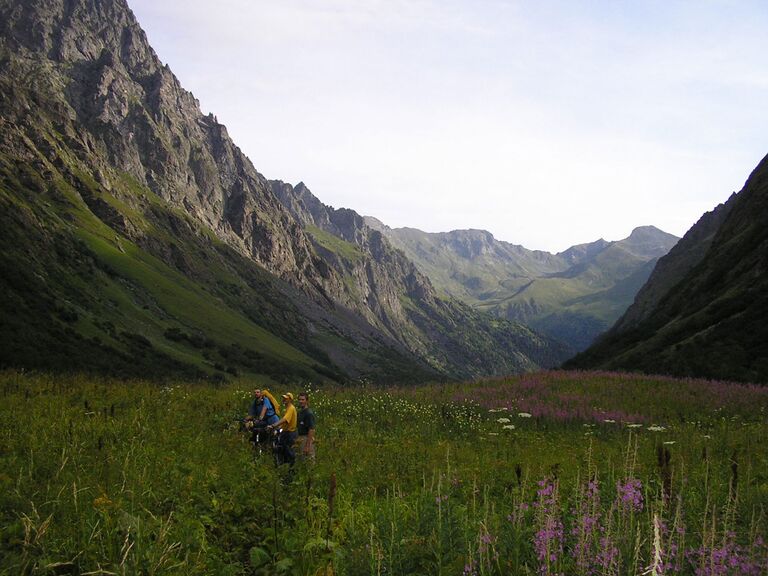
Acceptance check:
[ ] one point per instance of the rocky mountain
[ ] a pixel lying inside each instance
(138, 239)
(400, 300)
(702, 312)
(572, 296)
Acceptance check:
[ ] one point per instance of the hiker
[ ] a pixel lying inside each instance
(288, 436)
(306, 427)
(262, 412)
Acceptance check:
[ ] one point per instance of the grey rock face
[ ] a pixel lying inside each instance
(121, 108)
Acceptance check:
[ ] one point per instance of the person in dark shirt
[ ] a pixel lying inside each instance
(306, 427)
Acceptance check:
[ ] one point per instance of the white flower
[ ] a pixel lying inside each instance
(509, 427)
(609, 421)
(656, 428)
(669, 442)
(634, 425)
(493, 433)
(523, 415)
(503, 420)
(707, 436)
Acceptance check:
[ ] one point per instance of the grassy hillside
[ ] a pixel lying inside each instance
(104, 303)
(548, 473)
(579, 303)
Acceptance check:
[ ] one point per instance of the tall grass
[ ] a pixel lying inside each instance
(553, 473)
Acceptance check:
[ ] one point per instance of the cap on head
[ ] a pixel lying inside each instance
(288, 396)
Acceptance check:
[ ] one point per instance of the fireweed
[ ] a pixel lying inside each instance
(728, 558)
(549, 537)
(587, 528)
(630, 495)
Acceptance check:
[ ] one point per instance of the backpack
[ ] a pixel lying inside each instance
(275, 403)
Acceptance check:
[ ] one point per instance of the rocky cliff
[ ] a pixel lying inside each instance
(106, 99)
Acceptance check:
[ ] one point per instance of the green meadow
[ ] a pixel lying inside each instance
(551, 473)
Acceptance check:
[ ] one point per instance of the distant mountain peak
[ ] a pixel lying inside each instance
(579, 252)
(375, 223)
(572, 296)
(648, 228)
(648, 231)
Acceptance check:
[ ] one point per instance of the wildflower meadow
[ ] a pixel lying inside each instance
(553, 473)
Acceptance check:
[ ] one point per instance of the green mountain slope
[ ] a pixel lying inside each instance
(572, 296)
(703, 310)
(79, 296)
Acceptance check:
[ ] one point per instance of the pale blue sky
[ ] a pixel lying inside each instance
(547, 123)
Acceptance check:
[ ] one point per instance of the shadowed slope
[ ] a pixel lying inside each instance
(704, 308)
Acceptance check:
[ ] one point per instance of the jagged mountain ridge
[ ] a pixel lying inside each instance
(108, 161)
(702, 312)
(119, 102)
(572, 296)
(435, 327)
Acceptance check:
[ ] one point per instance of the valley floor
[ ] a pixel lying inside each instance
(547, 473)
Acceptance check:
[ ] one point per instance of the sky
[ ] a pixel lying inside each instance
(547, 123)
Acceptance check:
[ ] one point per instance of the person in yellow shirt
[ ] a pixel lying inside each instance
(288, 423)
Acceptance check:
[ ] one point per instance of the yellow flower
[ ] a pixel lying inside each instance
(102, 501)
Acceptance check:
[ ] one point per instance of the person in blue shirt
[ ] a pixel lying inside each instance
(260, 415)
(261, 409)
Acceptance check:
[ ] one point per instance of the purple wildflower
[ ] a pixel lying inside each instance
(548, 540)
(630, 495)
(730, 558)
